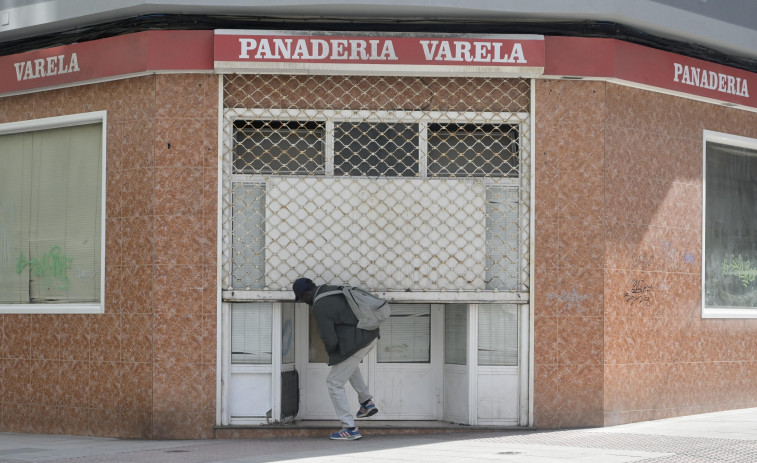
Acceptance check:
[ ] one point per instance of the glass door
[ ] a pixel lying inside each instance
(403, 372)
(407, 364)
(313, 367)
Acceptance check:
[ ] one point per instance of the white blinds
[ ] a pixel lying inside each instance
(498, 334)
(251, 330)
(406, 335)
(455, 334)
(14, 230)
(50, 215)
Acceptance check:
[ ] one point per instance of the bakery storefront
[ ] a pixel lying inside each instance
(399, 164)
(535, 208)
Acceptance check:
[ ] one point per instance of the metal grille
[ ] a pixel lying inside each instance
(399, 184)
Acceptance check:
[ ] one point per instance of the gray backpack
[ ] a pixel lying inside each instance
(369, 309)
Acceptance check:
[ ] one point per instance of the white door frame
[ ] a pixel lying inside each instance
(475, 371)
(229, 370)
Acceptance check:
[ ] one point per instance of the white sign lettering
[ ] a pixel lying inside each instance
(377, 49)
(477, 52)
(44, 67)
(310, 49)
(711, 80)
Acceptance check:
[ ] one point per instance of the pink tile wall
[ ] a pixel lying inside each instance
(569, 251)
(662, 358)
(146, 367)
(618, 257)
(185, 257)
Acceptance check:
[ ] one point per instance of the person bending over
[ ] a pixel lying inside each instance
(346, 345)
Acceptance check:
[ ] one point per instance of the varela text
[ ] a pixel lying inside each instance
(43, 67)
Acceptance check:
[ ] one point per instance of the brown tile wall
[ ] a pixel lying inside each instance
(146, 368)
(569, 253)
(618, 207)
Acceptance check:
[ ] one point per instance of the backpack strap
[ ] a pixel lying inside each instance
(327, 293)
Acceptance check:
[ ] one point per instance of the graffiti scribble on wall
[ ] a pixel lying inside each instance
(640, 292)
(666, 254)
(52, 267)
(572, 298)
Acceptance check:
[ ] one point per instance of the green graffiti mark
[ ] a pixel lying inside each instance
(741, 269)
(51, 267)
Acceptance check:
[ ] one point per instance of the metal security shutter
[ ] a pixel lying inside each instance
(400, 185)
(502, 237)
(248, 235)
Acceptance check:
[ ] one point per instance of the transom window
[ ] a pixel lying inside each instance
(478, 150)
(279, 147)
(375, 149)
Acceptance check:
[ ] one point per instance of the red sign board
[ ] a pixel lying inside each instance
(627, 62)
(130, 54)
(265, 51)
(378, 54)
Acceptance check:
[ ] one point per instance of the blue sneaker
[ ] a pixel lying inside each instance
(346, 434)
(368, 408)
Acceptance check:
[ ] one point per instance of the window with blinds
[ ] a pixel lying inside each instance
(51, 185)
(251, 333)
(406, 335)
(456, 334)
(498, 334)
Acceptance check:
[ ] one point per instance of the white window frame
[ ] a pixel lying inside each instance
(95, 117)
(725, 139)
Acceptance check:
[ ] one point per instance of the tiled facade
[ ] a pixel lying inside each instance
(619, 335)
(618, 330)
(146, 368)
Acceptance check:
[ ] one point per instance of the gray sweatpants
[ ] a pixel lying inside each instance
(348, 370)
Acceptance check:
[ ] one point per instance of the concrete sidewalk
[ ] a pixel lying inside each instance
(716, 437)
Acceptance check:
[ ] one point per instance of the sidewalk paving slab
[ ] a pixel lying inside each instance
(729, 436)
